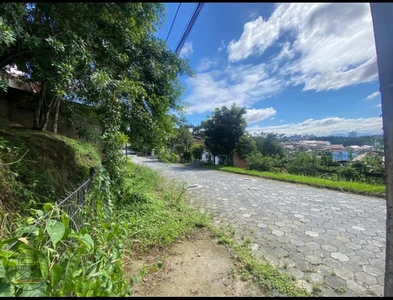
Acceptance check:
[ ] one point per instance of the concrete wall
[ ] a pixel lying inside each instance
(16, 106)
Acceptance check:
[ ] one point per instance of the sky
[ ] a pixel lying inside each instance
(297, 68)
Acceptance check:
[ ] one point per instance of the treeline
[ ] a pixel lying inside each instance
(352, 141)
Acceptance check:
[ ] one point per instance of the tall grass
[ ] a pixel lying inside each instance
(156, 209)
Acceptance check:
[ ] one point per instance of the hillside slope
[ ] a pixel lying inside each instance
(40, 166)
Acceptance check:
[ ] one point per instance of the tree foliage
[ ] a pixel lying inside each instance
(223, 129)
(245, 146)
(196, 151)
(101, 54)
(268, 144)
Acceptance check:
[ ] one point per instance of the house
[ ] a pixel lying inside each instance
(15, 79)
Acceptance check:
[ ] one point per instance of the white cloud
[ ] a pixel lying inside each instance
(325, 127)
(257, 36)
(333, 44)
(255, 115)
(243, 84)
(205, 64)
(322, 46)
(373, 95)
(222, 47)
(186, 50)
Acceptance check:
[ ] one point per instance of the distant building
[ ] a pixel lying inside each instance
(352, 134)
(307, 137)
(343, 155)
(335, 148)
(295, 138)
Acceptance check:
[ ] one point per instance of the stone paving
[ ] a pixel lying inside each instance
(325, 238)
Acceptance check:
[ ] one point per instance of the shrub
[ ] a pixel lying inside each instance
(256, 161)
(304, 164)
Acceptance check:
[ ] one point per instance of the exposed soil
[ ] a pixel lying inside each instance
(196, 266)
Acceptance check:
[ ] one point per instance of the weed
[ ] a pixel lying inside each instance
(317, 288)
(269, 277)
(340, 290)
(311, 270)
(372, 293)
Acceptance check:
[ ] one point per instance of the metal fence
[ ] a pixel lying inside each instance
(74, 205)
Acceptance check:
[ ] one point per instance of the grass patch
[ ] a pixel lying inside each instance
(343, 186)
(156, 209)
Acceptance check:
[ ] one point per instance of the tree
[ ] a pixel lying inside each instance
(223, 129)
(246, 145)
(65, 47)
(196, 151)
(104, 55)
(182, 141)
(268, 144)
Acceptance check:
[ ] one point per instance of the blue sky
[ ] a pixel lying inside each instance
(297, 68)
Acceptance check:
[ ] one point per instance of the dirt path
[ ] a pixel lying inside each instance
(198, 266)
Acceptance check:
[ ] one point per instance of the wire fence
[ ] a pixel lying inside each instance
(74, 205)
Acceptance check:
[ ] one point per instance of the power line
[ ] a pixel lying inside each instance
(189, 27)
(168, 16)
(173, 22)
(188, 24)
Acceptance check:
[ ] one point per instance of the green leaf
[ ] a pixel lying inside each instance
(6, 254)
(84, 239)
(159, 264)
(48, 207)
(36, 292)
(77, 273)
(133, 280)
(2, 270)
(94, 274)
(85, 287)
(65, 220)
(6, 289)
(55, 274)
(55, 230)
(71, 267)
(44, 267)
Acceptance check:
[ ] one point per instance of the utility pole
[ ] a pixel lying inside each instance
(382, 17)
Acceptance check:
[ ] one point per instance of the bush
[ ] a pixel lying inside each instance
(168, 156)
(349, 173)
(196, 151)
(256, 161)
(304, 164)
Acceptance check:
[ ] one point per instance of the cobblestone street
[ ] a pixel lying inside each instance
(323, 237)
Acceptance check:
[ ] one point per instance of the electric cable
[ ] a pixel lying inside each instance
(189, 27)
(173, 22)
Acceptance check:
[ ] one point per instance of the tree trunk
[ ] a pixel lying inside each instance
(38, 110)
(383, 24)
(47, 108)
(56, 116)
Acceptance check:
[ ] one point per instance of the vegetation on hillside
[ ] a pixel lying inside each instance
(146, 211)
(37, 167)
